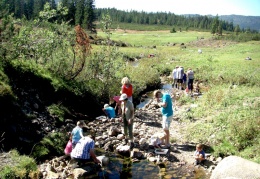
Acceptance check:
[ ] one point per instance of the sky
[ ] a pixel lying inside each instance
(178, 7)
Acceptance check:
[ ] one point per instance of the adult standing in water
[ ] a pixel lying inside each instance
(127, 88)
(167, 113)
(128, 117)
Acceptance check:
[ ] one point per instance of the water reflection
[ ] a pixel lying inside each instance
(166, 88)
(123, 168)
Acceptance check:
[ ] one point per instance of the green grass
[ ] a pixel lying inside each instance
(227, 116)
(159, 38)
(19, 166)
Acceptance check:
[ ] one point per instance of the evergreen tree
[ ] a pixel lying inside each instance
(18, 8)
(28, 9)
(70, 4)
(79, 15)
(4, 8)
(37, 7)
(11, 6)
(89, 16)
(237, 29)
(53, 4)
(220, 28)
(215, 25)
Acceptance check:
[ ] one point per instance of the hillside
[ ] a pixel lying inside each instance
(252, 22)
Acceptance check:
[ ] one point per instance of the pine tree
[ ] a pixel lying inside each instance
(79, 15)
(215, 25)
(28, 9)
(220, 28)
(37, 7)
(53, 4)
(4, 8)
(237, 29)
(89, 16)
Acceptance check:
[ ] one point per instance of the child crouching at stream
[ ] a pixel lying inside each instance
(199, 155)
(157, 140)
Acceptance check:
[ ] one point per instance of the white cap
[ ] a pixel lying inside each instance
(106, 106)
(122, 97)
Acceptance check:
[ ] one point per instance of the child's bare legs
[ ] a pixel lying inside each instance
(167, 137)
(199, 158)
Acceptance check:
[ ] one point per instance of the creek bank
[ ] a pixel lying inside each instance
(179, 158)
(24, 114)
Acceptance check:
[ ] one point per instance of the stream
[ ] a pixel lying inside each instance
(123, 167)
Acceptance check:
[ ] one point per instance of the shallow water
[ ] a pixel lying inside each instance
(165, 88)
(122, 167)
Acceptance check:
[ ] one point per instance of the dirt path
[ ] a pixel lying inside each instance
(181, 149)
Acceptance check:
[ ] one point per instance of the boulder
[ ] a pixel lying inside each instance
(104, 160)
(236, 168)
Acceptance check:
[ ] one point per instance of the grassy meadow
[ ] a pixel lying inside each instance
(227, 117)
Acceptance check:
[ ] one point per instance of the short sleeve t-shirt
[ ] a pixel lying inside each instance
(127, 109)
(128, 90)
(110, 112)
(76, 134)
(116, 98)
(201, 152)
(190, 74)
(168, 111)
(83, 147)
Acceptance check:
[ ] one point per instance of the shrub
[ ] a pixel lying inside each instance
(173, 30)
(58, 110)
(18, 166)
(52, 144)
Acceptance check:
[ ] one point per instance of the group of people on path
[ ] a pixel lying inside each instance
(83, 147)
(182, 80)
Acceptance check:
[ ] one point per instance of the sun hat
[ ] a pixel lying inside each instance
(123, 97)
(106, 106)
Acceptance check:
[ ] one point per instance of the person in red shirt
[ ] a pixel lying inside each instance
(127, 88)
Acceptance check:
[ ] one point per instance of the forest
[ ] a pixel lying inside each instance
(84, 13)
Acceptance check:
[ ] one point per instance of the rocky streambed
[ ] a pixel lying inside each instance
(141, 161)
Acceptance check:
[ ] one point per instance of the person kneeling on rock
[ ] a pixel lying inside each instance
(109, 111)
(84, 151)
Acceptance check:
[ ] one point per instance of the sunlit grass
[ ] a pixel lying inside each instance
(227, 114)
(159, 38)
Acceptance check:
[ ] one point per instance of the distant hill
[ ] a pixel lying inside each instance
(252, 22)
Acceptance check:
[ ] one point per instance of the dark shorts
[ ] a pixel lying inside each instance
(180, 80)
(190, 84)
